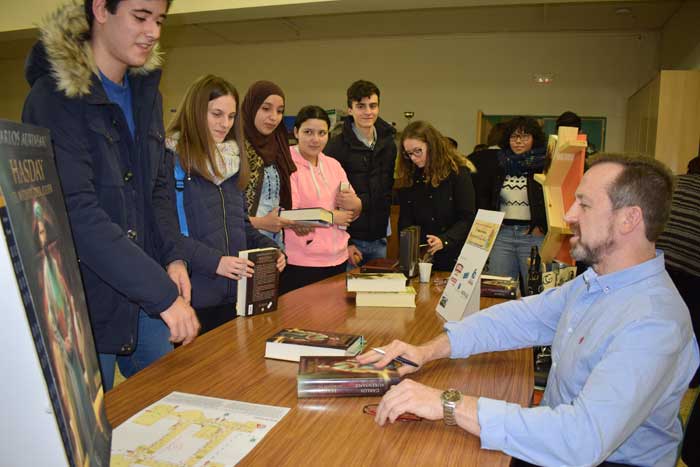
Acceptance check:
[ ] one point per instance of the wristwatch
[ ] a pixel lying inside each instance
(450, 399)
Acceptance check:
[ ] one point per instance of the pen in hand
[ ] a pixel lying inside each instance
(405, 361)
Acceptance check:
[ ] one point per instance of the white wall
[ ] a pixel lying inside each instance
(443, 79)
(13, 89)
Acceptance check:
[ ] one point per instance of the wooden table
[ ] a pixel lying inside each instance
(228, 362)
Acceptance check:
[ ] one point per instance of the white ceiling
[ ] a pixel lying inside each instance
(348, 18)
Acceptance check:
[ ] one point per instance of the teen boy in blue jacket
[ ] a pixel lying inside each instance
(94, 77)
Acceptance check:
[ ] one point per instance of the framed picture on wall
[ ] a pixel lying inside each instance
(592, 127)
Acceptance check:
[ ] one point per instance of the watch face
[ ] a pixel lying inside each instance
(451, 395)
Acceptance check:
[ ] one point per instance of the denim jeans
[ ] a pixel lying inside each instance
(370, 249)
(511, 251)
(151, 344)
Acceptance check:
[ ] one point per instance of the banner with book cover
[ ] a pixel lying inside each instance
(42, 260)
(461, 295)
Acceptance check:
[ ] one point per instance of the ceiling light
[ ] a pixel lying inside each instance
(543, 78)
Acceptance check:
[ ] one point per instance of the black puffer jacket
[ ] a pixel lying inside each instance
(371, 174)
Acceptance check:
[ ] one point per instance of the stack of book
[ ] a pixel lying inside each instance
(381, 265)
(499, 286)
(343, 377)
(383, 289)
(327, 364)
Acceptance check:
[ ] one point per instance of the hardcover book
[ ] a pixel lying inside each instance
(499, 286)
(258, 294)
(293, 343)
(43, 263)
(343, 186)
(343, 377)
(309, 216)
(375, 282)
(409, 250)
(405, 299)
(381, 265)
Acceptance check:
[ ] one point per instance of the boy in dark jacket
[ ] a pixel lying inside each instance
(94, 77)
(366, 150)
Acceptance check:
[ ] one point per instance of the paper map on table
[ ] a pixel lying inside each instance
(190, 430)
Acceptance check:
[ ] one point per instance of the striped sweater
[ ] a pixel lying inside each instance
(680, 239)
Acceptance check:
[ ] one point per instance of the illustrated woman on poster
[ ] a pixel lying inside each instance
(62, 331)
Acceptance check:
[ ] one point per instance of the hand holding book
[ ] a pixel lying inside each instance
(281, 262)
(301, 229)
(233, 267)
(346, 199)
(342, 218)
(271, 222)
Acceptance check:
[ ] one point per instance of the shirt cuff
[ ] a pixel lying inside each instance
(461, 345)
(491, 414)
(449, 328)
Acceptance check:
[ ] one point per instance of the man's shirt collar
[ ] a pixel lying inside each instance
(620, 279)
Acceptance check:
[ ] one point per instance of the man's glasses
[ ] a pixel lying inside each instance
(418, 152)
(520, 137)
(371, 409)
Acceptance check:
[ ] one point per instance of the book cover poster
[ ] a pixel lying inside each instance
(458, 298)
(39, 240)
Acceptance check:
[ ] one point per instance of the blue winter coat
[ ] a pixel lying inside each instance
(218, 226)
(114, 186)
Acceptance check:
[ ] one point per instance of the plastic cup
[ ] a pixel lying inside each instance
(424, 270)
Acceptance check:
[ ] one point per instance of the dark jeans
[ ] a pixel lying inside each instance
(689, 288)
(152, 342)
(295, 277)
(214, 316)
(370, 249)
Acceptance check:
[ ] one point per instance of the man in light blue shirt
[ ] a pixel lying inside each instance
(623, 349)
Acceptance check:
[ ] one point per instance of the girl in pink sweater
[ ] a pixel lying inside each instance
(319, 182)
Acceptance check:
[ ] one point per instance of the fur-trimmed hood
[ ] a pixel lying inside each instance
(63, 51)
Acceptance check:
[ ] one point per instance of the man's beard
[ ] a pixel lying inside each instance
(591, 254)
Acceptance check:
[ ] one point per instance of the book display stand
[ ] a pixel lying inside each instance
(568, 154)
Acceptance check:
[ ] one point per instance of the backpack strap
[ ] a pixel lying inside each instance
(180, 196)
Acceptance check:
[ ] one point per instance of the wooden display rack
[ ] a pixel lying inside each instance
(568, 154)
